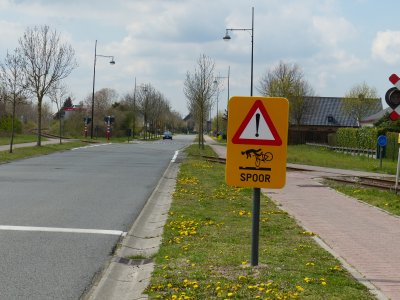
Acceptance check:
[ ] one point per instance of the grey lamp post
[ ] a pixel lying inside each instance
(216, 82)
(227, 37)
(112, 62)
(256, 191)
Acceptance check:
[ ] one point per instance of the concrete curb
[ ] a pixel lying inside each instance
(126, 278)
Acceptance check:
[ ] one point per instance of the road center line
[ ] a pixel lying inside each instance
(62, 230)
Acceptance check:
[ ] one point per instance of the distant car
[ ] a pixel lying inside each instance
(167, 135)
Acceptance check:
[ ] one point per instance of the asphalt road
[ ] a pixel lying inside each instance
(62, 214)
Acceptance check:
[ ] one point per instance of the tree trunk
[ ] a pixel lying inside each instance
(13, 124)
(60, 120)
(39, 129)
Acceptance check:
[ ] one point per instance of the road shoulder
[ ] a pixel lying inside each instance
(126, 278)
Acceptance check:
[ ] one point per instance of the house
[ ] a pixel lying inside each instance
(190, 123)
(323, 116)
(372, 119)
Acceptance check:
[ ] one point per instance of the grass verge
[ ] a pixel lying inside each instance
(19, 153)
(207, 243)
(319, 156)
(20, 138)
(386, 200)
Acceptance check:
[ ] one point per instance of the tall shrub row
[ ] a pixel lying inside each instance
(392, 147)
(360, 138)
(6, 125)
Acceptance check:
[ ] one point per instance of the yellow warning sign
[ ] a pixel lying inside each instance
(257, 142)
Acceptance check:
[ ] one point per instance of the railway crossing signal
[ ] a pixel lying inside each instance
(392, 97)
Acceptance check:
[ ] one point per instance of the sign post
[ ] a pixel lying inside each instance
(392, 98)
(382, 142)
(256, 153)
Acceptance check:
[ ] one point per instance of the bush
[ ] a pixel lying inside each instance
(392, 147)
(6, 124)
(360, 138)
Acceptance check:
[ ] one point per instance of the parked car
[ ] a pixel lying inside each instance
(167, 135)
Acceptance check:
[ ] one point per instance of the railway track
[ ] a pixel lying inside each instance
(376, 182)
(381, 183)
(215, 159)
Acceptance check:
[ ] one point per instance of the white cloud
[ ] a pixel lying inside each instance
(333, 31)
(386, 46)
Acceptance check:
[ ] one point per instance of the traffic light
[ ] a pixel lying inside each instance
(392, 98)
(87, 120)
(110, 119)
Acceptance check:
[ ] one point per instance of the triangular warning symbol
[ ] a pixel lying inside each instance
(257, 128)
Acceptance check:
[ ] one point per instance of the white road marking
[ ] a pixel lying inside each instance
(175, 156)
(91, 146)
(62, 230)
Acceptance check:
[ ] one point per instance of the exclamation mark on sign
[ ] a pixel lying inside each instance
(257, 123)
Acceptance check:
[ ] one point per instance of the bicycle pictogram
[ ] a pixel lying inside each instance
(258, 155)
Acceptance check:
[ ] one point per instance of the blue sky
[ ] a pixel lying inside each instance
(337, 43)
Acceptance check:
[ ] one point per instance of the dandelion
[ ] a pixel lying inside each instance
(299, 288)
(336, 269)
(310, 233)
(307, 279)
(310, 264)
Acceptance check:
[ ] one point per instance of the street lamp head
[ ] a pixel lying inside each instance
(227, 37)
(112, 61)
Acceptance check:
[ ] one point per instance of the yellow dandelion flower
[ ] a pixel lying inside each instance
(299, 288)
(307, 279)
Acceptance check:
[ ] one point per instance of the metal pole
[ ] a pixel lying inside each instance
(134, 111)
(94, 80)
(217, 114)
(255, 232)
(252, 49)
(397, 172)
(256, 191)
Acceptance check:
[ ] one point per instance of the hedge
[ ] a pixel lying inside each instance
(360, 138)
(392, 147)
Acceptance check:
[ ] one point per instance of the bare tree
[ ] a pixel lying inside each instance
(360, 101)
(14, 82)
(58, 95)
(47, 62)
(287, 80)
(103, 100)
(199, 89)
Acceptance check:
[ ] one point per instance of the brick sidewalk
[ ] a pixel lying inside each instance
(365, 237)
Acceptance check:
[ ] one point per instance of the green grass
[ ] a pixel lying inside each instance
(319, 156)
(206, 247)
(386, 200)
(20, 138)
(20, 153)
